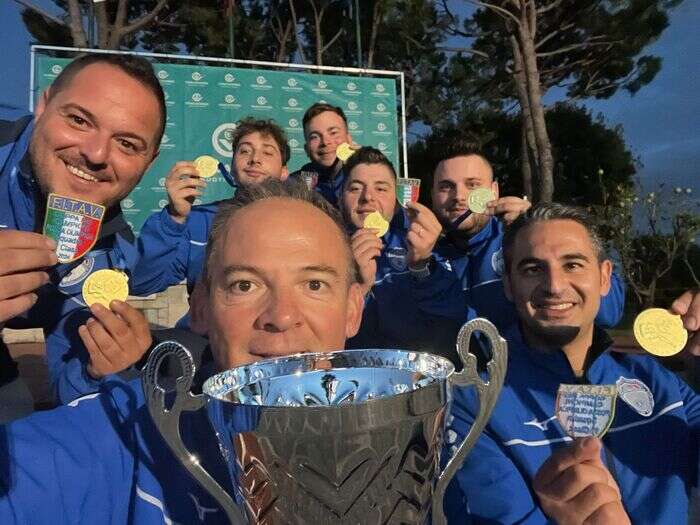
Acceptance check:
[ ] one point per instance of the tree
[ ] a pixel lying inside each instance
(589, 47)
(650, 236)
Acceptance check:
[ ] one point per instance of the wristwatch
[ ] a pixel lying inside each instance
(422, 271)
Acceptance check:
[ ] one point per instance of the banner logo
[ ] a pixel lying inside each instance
(56, 69)
(222, 137)
(163, 74)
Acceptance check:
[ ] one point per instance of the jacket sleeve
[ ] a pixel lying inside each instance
(440, 293)
(488, 488)
(612, 306)
(164, 249)
(68, 465)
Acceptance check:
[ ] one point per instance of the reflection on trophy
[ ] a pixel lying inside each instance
(345, 437)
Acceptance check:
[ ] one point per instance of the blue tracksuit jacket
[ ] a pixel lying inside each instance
(650, 450)
(60, 308)
(403, 311)
(327, 181)
(100, 459)
(478, 269)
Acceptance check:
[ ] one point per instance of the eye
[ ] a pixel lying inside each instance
(243, 150)
(127, 144)
(241, 287)
(572, 266)
(77, 120)
(316, 285)
(530, 270)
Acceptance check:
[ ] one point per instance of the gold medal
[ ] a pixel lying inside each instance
(206, 166)
(104, 286)
(344, 151)
(478, 199)
(660, 332)
(375, 221)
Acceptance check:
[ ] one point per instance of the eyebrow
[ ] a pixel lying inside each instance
(319, 268)
(91, 116)
(264, 144)
(576, 256)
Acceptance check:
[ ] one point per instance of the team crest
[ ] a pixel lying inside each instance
(310, 178)
(586, 410)
(497, 261)
(397, 258)
(73, 224)
(79, 273)
(636, 394)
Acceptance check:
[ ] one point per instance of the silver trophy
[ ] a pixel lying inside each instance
(345, 437)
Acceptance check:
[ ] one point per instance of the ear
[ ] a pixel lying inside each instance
(506, 286)
(605, 277)
(41, 103)
(199, 309)
(356, 304)
(284, 174)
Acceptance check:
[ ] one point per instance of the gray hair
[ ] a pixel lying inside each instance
(269, 189)
(551, 212)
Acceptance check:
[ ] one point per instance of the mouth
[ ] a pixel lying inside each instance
(554, 310)
(80, 173)
(254, 174)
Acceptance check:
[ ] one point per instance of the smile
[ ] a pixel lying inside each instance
(557, 307)
(81, 174)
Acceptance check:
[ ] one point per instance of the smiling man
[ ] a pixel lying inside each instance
(325, 128)
(172, 242)
(94, 133)
(280, 279)
(524, 467)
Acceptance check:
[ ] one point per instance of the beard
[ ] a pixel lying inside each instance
(553, 337)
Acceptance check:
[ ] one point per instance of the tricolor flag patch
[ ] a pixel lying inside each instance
(73, 224)
(407, 190)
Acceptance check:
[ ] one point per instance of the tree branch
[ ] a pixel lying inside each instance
(503, 13)
(143, 21)
(582, 45)
(330, 42)
(41, 12)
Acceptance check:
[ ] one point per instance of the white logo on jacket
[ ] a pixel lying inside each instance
(636, 394)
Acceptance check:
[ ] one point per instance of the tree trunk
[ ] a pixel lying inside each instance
(300, 49)
(376, 21)
(75, 24)
(534, 91)
(525, 162)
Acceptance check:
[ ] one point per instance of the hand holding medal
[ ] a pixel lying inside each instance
(660, 332)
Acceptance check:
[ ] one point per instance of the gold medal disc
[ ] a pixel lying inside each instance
(344, 151)
(478, 199)
(375, 221)
(660, 332)
(206, 166)
(104, 286)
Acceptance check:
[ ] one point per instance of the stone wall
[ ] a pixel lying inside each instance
(162, 310)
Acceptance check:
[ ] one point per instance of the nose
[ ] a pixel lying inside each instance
(281, 312)
(253, 158)
(367, 195)
(460, 194)
(95, 149)
(554, 281)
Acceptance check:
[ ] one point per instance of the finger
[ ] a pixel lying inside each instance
(25, 240)
(688, 307)
(181, 167)
(580, 450)
(592, 498)
(21, 283)
(115, 326)
(187, 194)
(99, 365)
(18, 260)
(134, 319)
(188, 182)
(574, 480)
(10, 308)
(364, 256)
(612, 513)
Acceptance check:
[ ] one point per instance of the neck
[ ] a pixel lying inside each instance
(576, 350)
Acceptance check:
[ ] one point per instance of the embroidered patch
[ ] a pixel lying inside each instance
(73, 224)
(310, 178)
(397, 258)
(636, 394)
(586, 410)
(79, 273)
(497, 261)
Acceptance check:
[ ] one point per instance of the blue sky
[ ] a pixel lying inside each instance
(661, 122)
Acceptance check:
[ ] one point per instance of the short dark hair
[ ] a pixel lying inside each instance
(268, 189)
(268, 128)
(550, 212)
(321, 107)
(459, 148)
(368, 155)
(135, 66)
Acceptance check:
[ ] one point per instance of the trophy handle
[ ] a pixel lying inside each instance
(167, 420)
(488, 395)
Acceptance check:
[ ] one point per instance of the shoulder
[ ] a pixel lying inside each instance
(11, 131)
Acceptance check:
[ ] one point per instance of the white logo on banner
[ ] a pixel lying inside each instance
(261, 101)
(352, 105)
(381, 126)
(353, 125)
(162, 74)
(128, 203)
(165, 139)
(293, 143)
(381, 107)
(292, 82)
(56, 69)
(293, 123)
(351, 86)
(166, 95)
(322, 84)
(161, 182)
(228, 77)
(197, 76)
(162, 203)
(230, 99)
(221, 139)
(379, 88)
(381, 146)
(292, 102)
(196, 97)
(261, 80)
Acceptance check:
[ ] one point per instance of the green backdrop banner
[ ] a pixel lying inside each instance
(205, 102)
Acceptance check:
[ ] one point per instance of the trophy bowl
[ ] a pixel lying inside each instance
(353, 436)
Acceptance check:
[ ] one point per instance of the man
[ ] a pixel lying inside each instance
(398, 270)
(95, 131)
(292, 289)
(473, 247)
(172, 241)
(524, 468)
(325, 128)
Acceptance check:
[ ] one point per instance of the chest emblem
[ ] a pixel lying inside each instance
(497, 261)
(310, 178)
(79, 273)
(73, 224)
(636, 394)
(586, 410)
(397, 258)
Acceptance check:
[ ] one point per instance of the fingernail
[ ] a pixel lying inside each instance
(34, 297)
(50, 243)
(691, 323)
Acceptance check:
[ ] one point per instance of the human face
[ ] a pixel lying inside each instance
(280, 285)
(94, 139)
(369, 188)
(454, 179)
(556, 281)
(324, 133)
(258, 158)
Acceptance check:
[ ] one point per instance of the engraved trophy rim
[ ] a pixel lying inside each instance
(436, 369)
